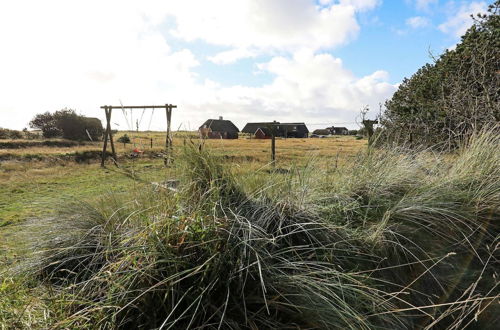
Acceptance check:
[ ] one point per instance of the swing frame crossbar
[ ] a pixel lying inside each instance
(108, 133)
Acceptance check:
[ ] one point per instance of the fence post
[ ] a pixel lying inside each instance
(273, 148)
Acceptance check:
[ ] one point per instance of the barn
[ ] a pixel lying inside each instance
(218, 129)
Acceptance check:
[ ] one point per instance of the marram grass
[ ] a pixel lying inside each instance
(396, 240)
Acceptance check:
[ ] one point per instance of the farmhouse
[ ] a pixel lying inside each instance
(218, 129)
(263, 129)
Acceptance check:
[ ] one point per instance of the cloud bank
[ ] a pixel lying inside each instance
(87, 54)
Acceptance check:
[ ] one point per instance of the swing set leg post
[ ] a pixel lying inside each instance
(168, 140)
(103, 156)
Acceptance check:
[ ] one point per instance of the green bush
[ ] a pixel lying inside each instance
(124, 139)
(69, 125)
(447, 101)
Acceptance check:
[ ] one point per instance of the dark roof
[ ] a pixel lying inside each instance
(322, 131)
(298, 125)
(340, 128)
(252, 127)
(218, 125)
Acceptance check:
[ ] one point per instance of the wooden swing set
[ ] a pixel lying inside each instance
(108, 134)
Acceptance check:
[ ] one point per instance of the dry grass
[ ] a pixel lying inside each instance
(241, 149)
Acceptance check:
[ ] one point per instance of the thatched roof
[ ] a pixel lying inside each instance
(294, 126)
(322, 131)
(220, 125)
(252, 127)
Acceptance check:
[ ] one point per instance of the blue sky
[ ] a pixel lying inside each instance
(317, 61)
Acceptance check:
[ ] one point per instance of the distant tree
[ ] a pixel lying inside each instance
(124, 139)
(459, 93)
(68, 124)
(47, 124)
(93, 127)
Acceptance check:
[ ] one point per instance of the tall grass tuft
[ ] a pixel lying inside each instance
(397, 240)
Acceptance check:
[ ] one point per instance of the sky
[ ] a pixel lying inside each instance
(313, 61)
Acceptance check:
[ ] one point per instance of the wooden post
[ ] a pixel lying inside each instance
(168, 141)
(111, 137)
(103, 156)
(108, 134)
(273, 147)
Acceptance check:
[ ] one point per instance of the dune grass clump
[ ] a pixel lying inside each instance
(397, 240)
(434, 220)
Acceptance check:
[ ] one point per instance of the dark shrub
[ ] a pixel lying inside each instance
(69, 125)
(10, 134)
(124, 139)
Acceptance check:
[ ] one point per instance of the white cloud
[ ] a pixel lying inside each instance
(267, 26)
(305, 87)
(417, 22)
(361, 4)
(424, 4)
(459, 21)
(87, 54)
(231, 56)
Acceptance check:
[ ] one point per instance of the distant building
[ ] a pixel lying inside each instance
(323, 131)
(263, 133)
(251, 128)
(293, 130)
(264, 129)
(339, 130)
(218, 129)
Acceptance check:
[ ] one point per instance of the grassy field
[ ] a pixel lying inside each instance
(335, 235)
(36, 180)
(29, 185)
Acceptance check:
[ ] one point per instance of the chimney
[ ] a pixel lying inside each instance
(220, 117)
